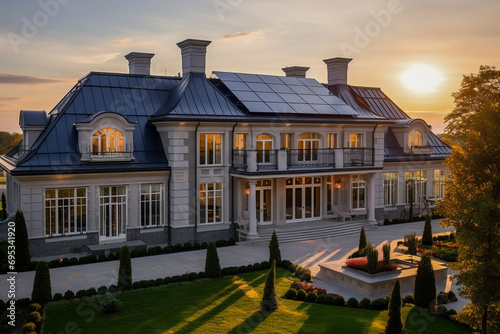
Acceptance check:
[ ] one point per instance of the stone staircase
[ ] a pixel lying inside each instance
(306, 231)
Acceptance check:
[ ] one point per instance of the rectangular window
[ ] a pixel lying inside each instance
(151, 204)
(287, 140)
(358, 191)
(390, 188)
(112, 211)
(355, 140)
(332, 140)
(415, 182)
(210, 203)
(240, 141)
(65, 211)
(439, 183)
(210, 149)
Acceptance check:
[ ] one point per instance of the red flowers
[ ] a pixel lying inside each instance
(361, 263)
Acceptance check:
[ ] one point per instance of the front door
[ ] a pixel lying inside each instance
(112, 212)
(263, 195)
(303, 198)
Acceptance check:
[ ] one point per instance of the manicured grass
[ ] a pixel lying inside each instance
(228, 305)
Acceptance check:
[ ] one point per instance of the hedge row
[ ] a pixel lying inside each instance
(403, 220)
(65, 262)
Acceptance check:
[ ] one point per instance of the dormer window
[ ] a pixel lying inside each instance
(106, 136)
(107, 141)
(416, 139)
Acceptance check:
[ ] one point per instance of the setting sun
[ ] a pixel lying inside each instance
(422, 78)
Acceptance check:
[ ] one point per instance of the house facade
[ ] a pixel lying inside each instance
(157, 159)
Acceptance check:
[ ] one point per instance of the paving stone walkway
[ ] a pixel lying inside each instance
(305, 253)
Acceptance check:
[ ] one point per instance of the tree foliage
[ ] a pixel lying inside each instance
(3, 212)
(212, 264)
(8, 141)
(395, 321)
(362, 239)
(125, 270)
(427, 235)
(269, 302)
(425, 283)
(42, 291)
(274, 250)
(472, 202)
(23, 257)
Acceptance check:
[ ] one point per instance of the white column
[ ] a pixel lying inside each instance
(252, 208)
(371, 199)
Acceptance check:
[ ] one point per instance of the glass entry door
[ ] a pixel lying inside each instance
(263, 195)
(112, 212)
(303, 198)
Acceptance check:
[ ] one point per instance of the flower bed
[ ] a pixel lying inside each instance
(444, 249)
(362, 264)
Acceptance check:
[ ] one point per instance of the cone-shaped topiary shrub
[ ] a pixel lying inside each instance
(425, 283)
(212, 264)
(411, 241)
(125, 271)
(372, 257)
(427, 236)
(42, 291)
(274, 250)
(23, 257)
(269, 302)
(395, 322)
(386, 250)
(362, 239)
(3, 213)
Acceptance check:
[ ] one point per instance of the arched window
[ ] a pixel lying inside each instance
(416, 139)
(107, 140)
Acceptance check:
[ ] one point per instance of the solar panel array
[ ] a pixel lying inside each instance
(278, 94)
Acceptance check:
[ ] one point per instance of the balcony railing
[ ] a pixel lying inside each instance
(303, 158)
(109, 155)
(265, 160)
(359, 156)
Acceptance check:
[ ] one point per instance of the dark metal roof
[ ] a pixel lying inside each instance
(347, 94)
(284, 95)
(135, 97)
(394, 152)
(379, 103)
(196, 96)
(33, 118)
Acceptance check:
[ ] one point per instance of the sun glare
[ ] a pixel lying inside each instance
(422, 78)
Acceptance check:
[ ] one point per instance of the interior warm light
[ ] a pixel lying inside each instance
(182, 123)
(247, 190)
(422, 78)
(288, 124)
(338, 184)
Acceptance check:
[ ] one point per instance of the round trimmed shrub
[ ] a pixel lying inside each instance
(168, 249)
(92, 258)
(28, 328)
(441, 309)
(135, 286)
(285, 264)
(102, 290)
(257, 266)
(34, 317)
(34, 307)
(338, 301)
(379, 304)
(178, 247)
(442, 298)
(312, 296)
(204, 245)
(73, 261)
(159, 281)
(134, 253)
(192, 276)
(102, 257)
(113, 288)
(352, 302)
(321, 299)
(451, 296)
(82, 260)
(151, 282)
(301, 294)
(265, 265)
(69, 295)
(196, 245)
(232, 241)
(448, 313)
(242, 269)
(365, 303)
(409, 299)
(291, 294)
(187, 246)
(250, 268)
(58, 296)
(329, 299)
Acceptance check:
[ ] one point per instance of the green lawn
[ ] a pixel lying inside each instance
(228, 305)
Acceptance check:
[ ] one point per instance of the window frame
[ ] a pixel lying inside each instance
(415, 139)
(358, 182)
(107, 135)
(217, 152)
(390, 188)
(78, 209)
(420, 188)
(150, 200)
(439, 184)
(359, 140)
(240, 141)
(203, 194)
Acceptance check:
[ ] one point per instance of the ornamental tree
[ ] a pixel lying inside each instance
(274, 250)
(42, 291)
(125, 271)
(472, 201)
(269, 302)
(23, 257)
(425, 283)
(212, 264)
(395, 322)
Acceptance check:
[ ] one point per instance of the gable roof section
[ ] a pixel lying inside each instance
(135, 97)
(195, 97)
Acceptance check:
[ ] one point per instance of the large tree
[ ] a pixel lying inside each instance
(8, 141)
(472, 201)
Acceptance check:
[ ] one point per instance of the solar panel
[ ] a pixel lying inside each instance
(277, 94)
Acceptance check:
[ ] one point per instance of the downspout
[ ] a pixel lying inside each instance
(232, 181)
(196, 182)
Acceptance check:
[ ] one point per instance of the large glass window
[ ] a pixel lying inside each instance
(264, 148)
(65, 211)
(210, 149)
(107, 140)
(112, 211)
(415, 185)
(355, 140)
(240, 141)
(210, 203)
(439, 183)
(151, 204)
(415, 139)
(390, 188)
(358, 191)
(332, 140)
(308, 144)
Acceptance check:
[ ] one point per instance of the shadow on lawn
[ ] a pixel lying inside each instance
(251, 323)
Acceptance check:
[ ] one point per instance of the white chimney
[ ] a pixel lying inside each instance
(139, 62)
(193, 52)
(295, 71)
(337, 70)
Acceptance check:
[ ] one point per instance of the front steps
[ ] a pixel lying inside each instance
(306, 231)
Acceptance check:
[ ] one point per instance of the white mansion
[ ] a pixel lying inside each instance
(157, 159)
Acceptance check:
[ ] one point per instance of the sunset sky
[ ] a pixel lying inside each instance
(47, 45)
